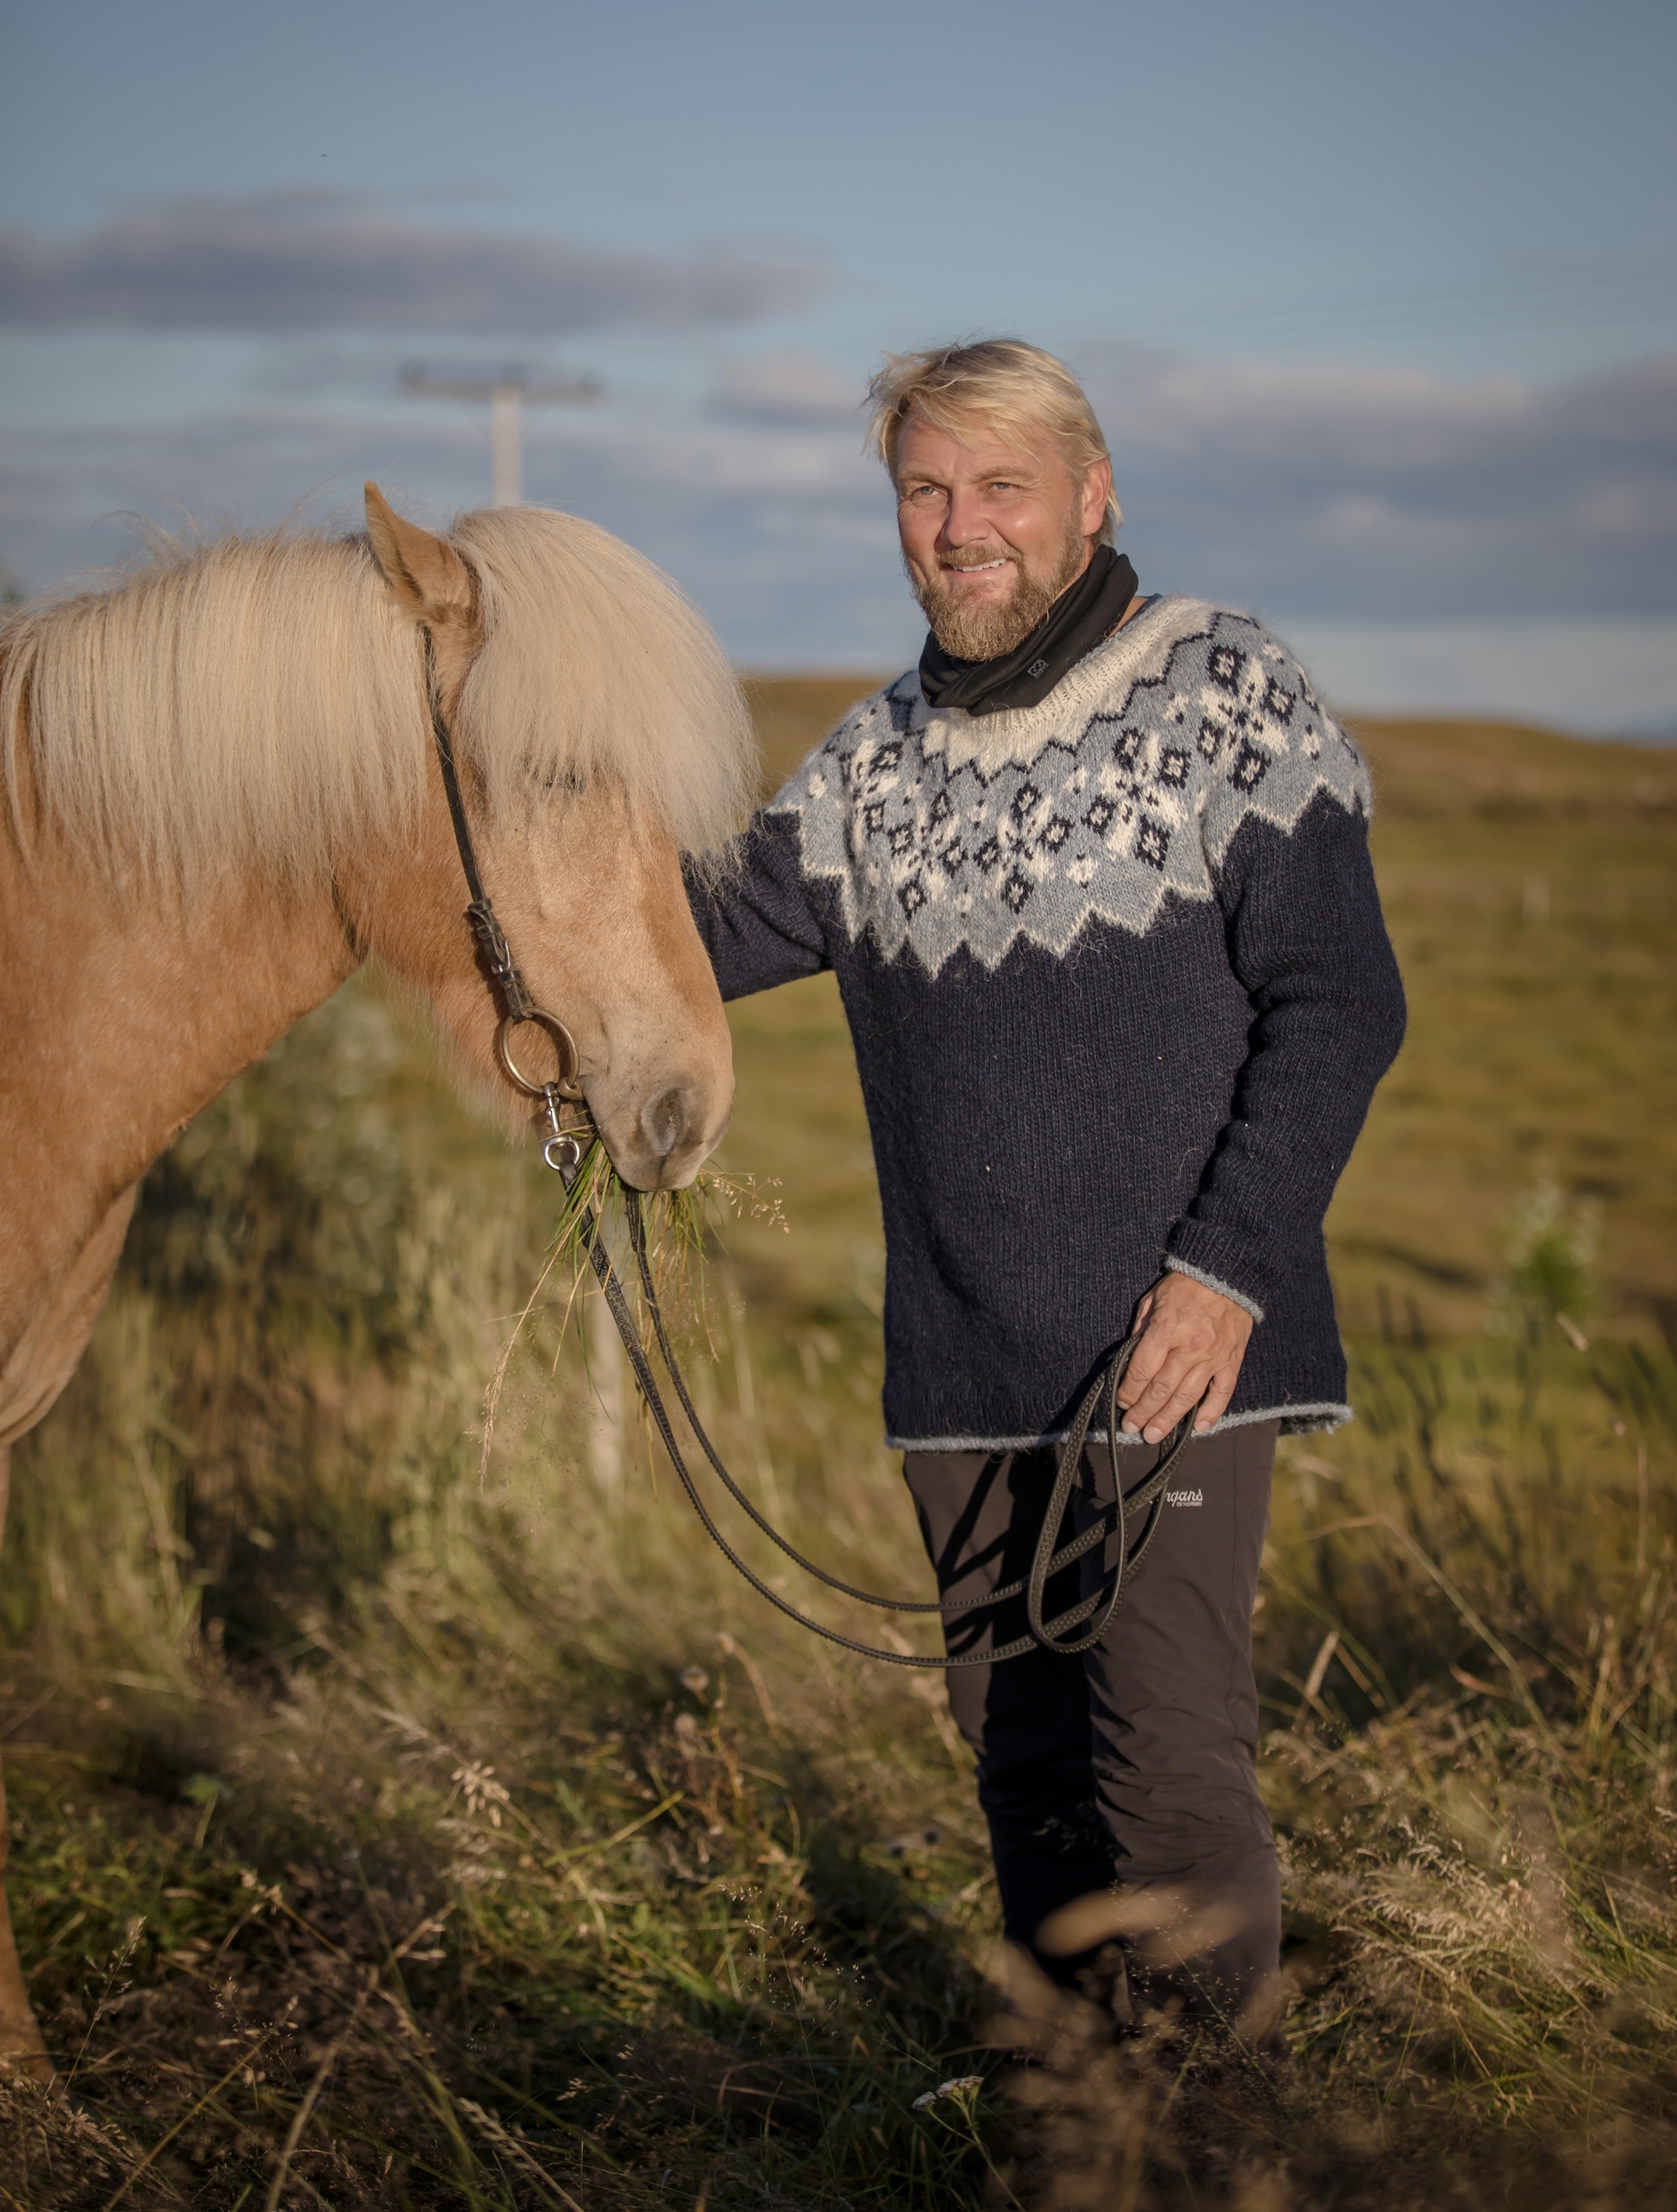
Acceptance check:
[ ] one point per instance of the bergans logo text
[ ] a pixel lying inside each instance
(1184, 1496)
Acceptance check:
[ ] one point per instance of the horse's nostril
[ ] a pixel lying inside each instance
(664, 1121)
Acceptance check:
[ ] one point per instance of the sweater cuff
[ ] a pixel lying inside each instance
(1175, 1264)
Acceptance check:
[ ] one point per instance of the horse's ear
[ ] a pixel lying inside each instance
(424, 571)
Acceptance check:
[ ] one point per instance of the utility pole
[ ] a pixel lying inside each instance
(508, 395)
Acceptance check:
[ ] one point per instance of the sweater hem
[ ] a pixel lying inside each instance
(1295, 1421)
(1175, 1267)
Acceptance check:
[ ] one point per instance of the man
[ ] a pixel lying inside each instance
(1095, 882)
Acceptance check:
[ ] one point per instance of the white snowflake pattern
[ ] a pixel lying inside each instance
(1125, 786)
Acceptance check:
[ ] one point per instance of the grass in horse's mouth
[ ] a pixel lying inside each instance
(681, 1227)
(683, 1231)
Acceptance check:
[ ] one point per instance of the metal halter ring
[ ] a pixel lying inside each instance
(564, 1044)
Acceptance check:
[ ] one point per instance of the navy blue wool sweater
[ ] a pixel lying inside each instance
(1121, 993)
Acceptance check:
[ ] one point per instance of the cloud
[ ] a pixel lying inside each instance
(784, 541)
(782, 388)
(1375, 493)
(1592, 673)
(308, 260)
(1485, 543)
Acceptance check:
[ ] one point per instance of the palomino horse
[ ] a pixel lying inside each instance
(223, 798)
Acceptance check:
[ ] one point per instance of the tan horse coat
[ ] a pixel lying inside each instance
(223, 798)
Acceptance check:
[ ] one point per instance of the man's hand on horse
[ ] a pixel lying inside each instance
(1193, 1340)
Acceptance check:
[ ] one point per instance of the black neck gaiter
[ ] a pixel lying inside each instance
(1085, 613)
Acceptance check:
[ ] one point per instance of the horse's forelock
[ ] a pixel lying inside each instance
(593, 664)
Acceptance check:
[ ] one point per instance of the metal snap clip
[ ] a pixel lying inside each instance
(563, 1154)
(565, 1150)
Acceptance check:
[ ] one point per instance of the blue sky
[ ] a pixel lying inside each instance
(1379, 306)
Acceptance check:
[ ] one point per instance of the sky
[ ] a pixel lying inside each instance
(1378, 307)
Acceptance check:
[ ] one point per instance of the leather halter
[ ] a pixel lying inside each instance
(565, 1150)
(513, 1000)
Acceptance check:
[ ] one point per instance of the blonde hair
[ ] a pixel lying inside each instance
(259, 702)
(1000, 380)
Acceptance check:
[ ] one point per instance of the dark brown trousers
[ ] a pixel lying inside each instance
(1132, 1766)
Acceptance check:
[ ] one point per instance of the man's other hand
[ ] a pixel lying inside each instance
(1193, 1340)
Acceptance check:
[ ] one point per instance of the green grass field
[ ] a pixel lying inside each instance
(392, 1827)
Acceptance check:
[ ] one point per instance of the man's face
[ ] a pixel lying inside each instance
(993, 527)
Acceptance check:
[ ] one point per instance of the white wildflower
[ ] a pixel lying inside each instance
(482, 1791)
(962, 2084)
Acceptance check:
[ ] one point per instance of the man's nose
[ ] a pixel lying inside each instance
(965, 522)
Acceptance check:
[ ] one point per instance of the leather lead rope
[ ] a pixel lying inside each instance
(1146, 1500)
(1140, 1508)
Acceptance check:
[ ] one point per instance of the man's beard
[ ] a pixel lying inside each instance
(980, 630)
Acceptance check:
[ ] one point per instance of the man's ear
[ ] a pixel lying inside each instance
(430, 581)
(1097, 490)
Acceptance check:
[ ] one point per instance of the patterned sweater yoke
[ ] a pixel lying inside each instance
(945, 831)
(1119, 992)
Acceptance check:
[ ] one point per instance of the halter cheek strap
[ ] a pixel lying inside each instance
(512, 994)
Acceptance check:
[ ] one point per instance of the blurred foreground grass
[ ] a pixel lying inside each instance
(389, 1830)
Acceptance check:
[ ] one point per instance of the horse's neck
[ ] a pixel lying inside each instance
(121, 1020)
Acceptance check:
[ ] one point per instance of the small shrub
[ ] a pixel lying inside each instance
(1553, 1246)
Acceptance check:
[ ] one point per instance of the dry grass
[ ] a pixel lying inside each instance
(386, 1835)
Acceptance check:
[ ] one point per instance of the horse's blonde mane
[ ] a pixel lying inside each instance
(259, 702)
